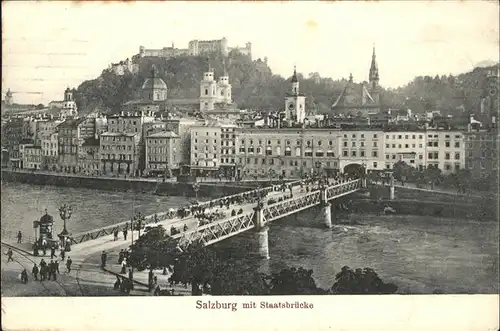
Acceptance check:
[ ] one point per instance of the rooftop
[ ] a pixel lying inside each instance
(154, 83)
(163, 134)
(119, 134)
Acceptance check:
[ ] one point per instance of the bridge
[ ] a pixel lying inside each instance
(254, 214)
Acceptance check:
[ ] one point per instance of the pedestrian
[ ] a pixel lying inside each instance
(115, 233)
(24, 276)
(43, 270)
(35, 249)
(56, 267)
(130, 274)
(117, 284)
(124, 266)
(63, 253)
(103, 259)
(185, 228)
(150, 279)
(9, 255)
(52, 252)
(44, 247)
(120, 257)
(19, 237)
(51, 270)
(125, 231)
(34, 271)
(68, 265)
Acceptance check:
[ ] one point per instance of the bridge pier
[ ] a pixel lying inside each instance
(262, 232)
(392, 195)
(326, 209)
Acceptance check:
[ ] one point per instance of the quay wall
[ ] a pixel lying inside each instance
(207, 189)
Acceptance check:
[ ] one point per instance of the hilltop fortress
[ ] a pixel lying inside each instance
(197, 47)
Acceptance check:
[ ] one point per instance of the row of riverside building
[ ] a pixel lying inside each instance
(139, 143)
(144, 139)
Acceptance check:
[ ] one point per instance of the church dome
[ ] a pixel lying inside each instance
(154, 83)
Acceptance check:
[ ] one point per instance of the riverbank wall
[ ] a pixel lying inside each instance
(424, 203)
(212, 190)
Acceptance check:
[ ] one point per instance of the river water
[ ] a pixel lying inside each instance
(419, 254)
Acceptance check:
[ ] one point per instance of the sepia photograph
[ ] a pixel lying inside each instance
(249, 156)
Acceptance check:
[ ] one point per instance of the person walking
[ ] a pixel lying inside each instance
(56, 267)
(34, 271)
(9, 255)
(24, 276)
(115, 233)
(124, 266)
(68, 265)
(125, 232)
(53, 252)
(121, 255)
(103, 259)
(43, 270)
(19, 237)
(51, 270)
(63, 254)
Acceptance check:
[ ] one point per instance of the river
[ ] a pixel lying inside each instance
(419, 254)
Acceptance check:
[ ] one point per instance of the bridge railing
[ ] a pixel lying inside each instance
(291, 206)
(267, 189)
(217, 231)
(343, 188)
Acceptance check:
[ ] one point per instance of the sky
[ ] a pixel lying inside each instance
(48, 46)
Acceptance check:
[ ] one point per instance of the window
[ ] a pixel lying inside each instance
(353, 144)
(447, 144)
(374, 164)
(345, 143)
(362, 144)
(374, 136)
(457, 144)
(429, 144)
(393, 145)
(308, 153)
(320, 154)
(353, 153)
(330, 154)
(446, 156)
(457, 156)
(344, 153)
(399, 136)
(387, 146)
(393, 156)
(375, 144)
(362, 136)
(375, 154)
(206, 92)
(362, 153)
(406, 145)
(436, 144)
(288, 151)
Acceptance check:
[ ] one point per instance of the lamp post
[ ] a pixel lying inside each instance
(196, 188)
(65, 212)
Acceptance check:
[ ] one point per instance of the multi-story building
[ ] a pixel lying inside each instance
(13, 132)
(50, 150)
(205, 149)
(45, 127)
(89, 158)
(129, 122)
(361, 148)
(120, 153)
(228, 153)
(182, 128)
(445, 150)
(71, 134)
(23, 144)
(32, 157)
(481, 152)
(286, 152)
(162, 152)
(409, 147)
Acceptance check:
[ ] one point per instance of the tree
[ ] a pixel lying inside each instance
(432, 175)
(360, 281)
(292, 281)
(403, 171)
(154, 249)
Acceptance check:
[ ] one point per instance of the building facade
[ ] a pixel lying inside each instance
(32, 157)
(120, 153)
(89, 158)
(481, 152)
(50, 150)
(71, 134)
(162, 153)
(409, 147)
(445, 150)
(228, 152)
(205, 149)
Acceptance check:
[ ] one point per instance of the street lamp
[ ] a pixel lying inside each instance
(196, 188)
(65, 212)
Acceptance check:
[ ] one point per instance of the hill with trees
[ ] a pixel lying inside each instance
(254, 86)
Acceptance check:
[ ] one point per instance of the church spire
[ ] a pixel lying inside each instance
(373, 76)
(294, 77)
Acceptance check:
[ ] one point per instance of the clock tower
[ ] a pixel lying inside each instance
(295, 103)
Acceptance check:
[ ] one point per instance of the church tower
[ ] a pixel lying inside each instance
(373, 78)
(224, 88)
(208, 91)
(69, 108)
(295, 103)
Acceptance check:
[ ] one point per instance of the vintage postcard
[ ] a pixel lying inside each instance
(252, 165)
